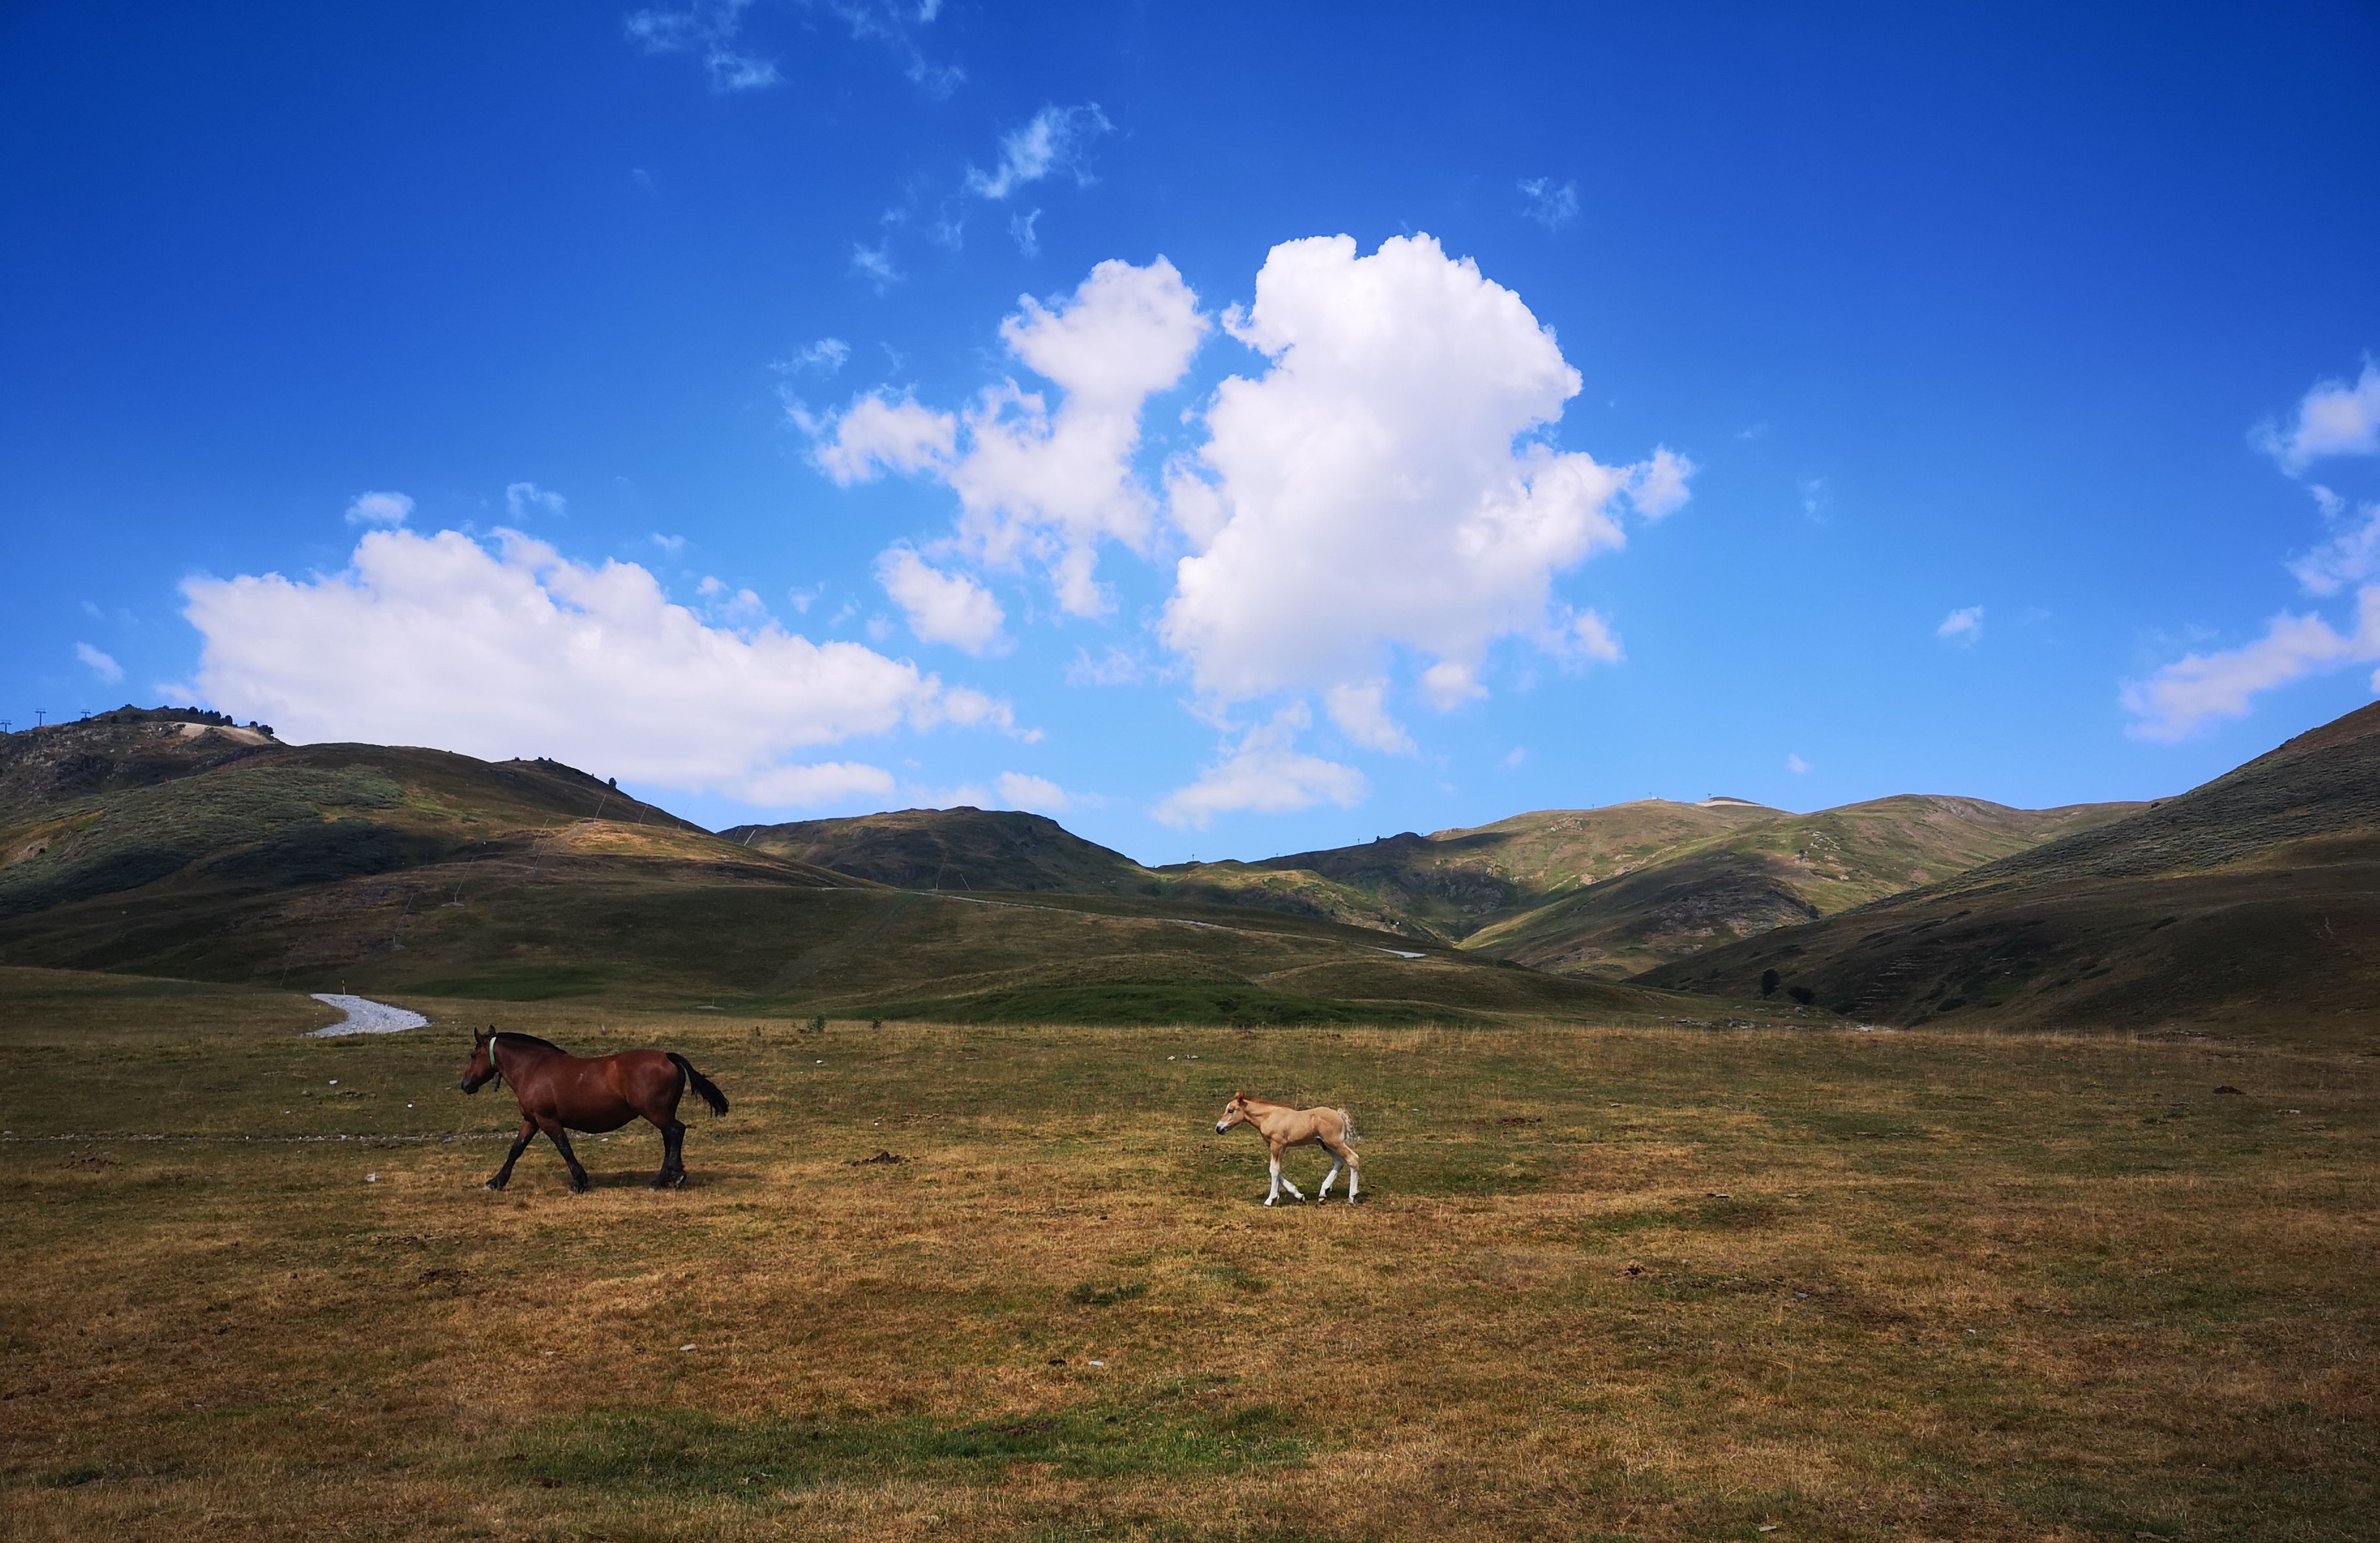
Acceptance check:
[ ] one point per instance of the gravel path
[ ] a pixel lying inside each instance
(365, 1017)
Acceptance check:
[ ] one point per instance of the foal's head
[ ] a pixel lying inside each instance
(483, 1069)
(1235, 1113)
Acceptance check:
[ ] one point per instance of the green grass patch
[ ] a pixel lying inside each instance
(518, 983)
(648, 1453)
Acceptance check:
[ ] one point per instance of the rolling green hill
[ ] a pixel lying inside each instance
(143, 844)
(1002, 851)
(2252, 904)
(1603, 891)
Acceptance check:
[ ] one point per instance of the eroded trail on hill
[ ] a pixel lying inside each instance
(365, 1017)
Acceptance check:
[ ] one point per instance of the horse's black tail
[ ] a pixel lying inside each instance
(706, 1089)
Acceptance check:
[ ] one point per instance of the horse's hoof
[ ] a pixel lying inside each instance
(1269, 1199)
(496, 1185)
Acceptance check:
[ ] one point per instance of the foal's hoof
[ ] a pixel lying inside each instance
(579, 1186)
(496, 1185)
(1269, 1199)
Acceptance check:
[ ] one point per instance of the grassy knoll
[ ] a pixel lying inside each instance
(1607, 1282)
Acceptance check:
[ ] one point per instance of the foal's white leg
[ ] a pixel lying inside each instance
(1274, 1193)
(1353, 1174)
(1322, 1190)
(1295, 1193)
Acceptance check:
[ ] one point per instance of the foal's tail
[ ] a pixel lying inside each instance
(1346, 1128)
(706, 1089)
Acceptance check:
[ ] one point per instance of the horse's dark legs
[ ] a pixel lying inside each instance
(504, 1175)
(561, 1139)
(673, 1171)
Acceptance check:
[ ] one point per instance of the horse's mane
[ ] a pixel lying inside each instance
(526, 1040)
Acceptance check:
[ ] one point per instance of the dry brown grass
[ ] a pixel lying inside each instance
(1606, 1283)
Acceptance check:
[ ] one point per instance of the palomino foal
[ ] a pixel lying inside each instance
(1283, 1127)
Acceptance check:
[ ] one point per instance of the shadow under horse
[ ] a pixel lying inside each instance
(560, 1092)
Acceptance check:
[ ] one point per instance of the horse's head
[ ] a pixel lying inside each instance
(1234, 1113)
(483, 1069)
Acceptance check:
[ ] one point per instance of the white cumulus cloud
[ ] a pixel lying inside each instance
(1267, 773)
(876, 432)
(1021, 791)
(1033, 481)
(518, 651)
(1963, 625)
(941, 607)
(2336, 417)
(1373, 488)
(380, 508)
(103, 665)
(1055, 141)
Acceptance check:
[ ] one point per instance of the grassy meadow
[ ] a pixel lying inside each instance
(1658, 1282)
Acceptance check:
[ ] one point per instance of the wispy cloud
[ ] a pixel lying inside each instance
(826, 355)
(875, 264)
(1055, 141)
(1551, 205)
(1021, 231)
(711, 30)
(523, 500)
(101, 665)
(2333, 418)
(1964, 625)
(380, 508)
(1796, 765)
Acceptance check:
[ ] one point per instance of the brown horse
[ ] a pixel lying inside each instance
(1283, 1127)
(560, 1092)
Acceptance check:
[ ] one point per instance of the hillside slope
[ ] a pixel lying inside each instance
(135, 844)
(2251, 903)
(961, 849)
(1604, 891)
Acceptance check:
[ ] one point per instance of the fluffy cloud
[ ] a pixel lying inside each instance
(941, 607)
(1034, 481)
(1371, 489)
(2185, 694)
(1055, 141)
(1019, 791)
(2334, 418)
(1963, 625)
(440, 641)
(103, 665)
(380, 508)
(1264, 773)
(876, 432)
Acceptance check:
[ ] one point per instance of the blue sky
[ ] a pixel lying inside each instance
(1684, 380)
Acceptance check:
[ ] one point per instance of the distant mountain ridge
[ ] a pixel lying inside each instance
(1605, 891)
